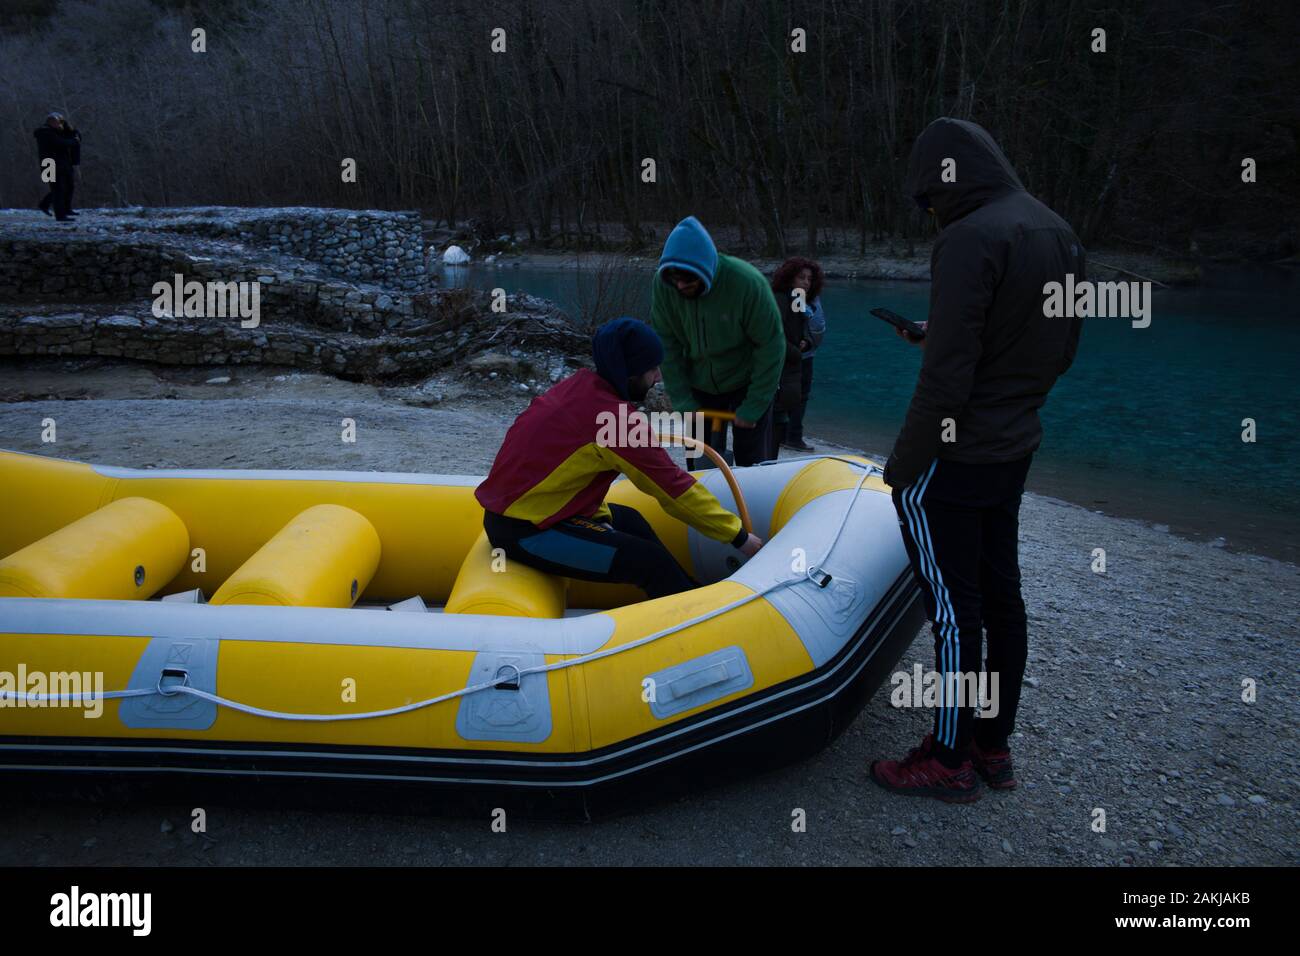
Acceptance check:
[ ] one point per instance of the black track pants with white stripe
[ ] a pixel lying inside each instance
(961, 524)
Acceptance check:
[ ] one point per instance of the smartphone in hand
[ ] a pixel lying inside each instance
(897, 321)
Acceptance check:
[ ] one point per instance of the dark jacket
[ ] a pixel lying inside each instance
(59, 145)
(990, 356)
(814, 327)
(793, 324)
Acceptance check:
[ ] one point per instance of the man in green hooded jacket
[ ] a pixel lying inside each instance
(722, 335)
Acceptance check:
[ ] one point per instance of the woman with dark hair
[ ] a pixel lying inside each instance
(797, 286)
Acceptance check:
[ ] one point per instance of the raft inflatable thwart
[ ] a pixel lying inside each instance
(326, 626)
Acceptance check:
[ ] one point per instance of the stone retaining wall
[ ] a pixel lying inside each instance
(69, 268)
(119, 254)
(88, 291)
(456, 327)
(111, 270)
(179, 341)
(385, 248)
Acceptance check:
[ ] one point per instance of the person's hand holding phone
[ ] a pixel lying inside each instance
(909, 338)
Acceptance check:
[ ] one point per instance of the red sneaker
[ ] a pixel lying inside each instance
(994, 766)
(920, 774)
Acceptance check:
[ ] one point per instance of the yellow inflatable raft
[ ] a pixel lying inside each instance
(325, 625)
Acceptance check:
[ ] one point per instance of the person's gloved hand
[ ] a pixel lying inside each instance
(751, 545)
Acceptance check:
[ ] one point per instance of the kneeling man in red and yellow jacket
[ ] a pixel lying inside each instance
(544, 499)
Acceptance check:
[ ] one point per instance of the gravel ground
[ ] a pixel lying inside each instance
(1133, 704)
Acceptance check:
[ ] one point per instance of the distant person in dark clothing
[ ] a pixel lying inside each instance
(797, 286)
(959, 465)
(58, 141)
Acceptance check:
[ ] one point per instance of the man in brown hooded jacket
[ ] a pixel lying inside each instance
(959, 464)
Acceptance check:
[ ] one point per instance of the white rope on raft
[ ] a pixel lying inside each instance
(7, 696)
(520, 673)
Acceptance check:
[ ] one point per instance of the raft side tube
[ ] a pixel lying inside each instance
(55, 492)
(820, 477)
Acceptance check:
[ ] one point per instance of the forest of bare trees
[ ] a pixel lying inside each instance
(1140, 145)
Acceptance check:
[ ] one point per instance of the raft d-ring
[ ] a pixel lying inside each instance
(508, 684)
(824, 579)
(172, 672)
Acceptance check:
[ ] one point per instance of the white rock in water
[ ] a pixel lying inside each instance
(219, 380)
(455, 256)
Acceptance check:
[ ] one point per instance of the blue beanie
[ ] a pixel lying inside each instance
(691, 249)
(625, 348)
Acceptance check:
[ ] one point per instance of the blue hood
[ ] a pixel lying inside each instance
(690, 247)
(625, 348)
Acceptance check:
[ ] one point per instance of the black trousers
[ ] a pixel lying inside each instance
(750, 445)
(961, 526)
(794, 427)
(60, 194)
(627, 551)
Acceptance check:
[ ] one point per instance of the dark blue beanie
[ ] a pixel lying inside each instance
(625, 348)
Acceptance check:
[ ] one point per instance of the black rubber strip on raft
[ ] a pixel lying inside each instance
(760, 732)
